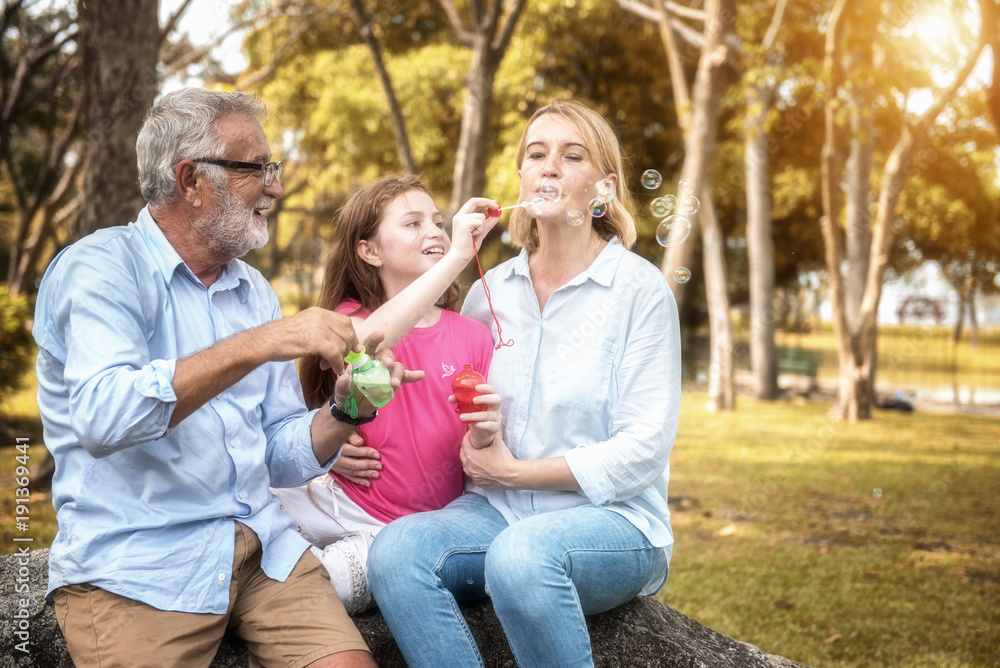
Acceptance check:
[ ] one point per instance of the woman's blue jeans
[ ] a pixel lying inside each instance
(543, 574)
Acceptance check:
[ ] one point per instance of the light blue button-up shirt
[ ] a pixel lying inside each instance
(596, 378)
(147, 511)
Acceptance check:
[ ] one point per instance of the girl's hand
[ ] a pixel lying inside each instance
(485, 424)
(471, 225)
(358, 463)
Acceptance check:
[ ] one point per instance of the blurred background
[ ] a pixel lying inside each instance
(834, 479)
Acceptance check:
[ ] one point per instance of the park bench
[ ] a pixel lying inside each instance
(800, 362)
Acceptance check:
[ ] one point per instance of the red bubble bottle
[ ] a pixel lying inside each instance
(464, 388)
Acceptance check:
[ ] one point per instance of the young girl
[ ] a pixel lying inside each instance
(392, 269)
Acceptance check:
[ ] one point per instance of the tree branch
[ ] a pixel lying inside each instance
(461, 34)
(172, 22)
(502, 41)
(195, 55)
(772, 30)
(268, 70)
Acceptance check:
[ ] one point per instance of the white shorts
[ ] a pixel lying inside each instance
(324, 511)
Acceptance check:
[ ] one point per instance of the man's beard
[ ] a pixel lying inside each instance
(231, 230)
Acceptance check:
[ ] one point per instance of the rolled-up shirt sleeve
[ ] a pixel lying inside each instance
(646, 390)
(96, 327)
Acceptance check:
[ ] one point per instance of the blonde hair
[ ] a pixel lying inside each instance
(606, 153)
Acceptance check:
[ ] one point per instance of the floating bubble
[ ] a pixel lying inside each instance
(606, 190)
(673, 231)
(535, 206)
(685, 187)
(550, 190)
(651, 179)
(575, 217)
(597, 208)
(661, 206)
(682, 274)
(690, 205)
(877, 492)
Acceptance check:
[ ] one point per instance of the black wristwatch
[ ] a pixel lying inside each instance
(341, 416)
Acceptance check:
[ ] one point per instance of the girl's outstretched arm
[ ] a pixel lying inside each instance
(402, 312)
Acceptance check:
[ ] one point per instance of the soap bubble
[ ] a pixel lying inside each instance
(575, 217)
(877, 492)
(606, 190)
(685, 187)
(690, 205)
(550, 190)
(661, 206)
(673, 231)
(651, 179)
(535, 206)
(597, 208)
(682, 274)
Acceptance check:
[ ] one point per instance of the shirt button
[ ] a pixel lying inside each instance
(163, 428)
(240, 494)
(232, 443)
(222, 579)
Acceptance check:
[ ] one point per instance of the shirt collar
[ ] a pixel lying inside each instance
(232, 275)
(601, 270)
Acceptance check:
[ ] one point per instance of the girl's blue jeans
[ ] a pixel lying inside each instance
(543, 574)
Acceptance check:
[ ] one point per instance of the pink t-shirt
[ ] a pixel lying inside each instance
(418, 433)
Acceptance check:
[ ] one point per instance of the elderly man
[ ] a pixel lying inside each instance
(169, 398)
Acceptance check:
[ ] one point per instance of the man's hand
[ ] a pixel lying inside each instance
(329, 435)
(358, 463)
(397, 374)
(314, 331)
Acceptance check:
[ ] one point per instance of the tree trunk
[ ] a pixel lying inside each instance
(721, 392)
(488, 38)
(760, 247)
(849, 393)
(700, 145)
(122, 83)
(973, 321)
(471, 157)
(858, 178)
(364, 21)
(956, 333)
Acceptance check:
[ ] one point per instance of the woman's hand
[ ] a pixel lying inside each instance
(492, 467)
(485, 424)
(358, 463)
(471, 225)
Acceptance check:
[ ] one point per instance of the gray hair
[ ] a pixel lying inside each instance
(182, 126)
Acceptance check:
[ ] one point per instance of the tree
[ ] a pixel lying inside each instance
(855, 342)
(121, 84)
(699, 118)
(39, 125)
(365, 23)
(948, 211)
(488, 35)
(760, 91)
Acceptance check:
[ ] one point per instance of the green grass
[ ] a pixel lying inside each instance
(782, 540)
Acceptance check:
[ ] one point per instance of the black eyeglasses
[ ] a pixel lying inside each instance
(269, 170)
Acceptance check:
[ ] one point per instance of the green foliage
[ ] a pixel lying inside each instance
(15, 342)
